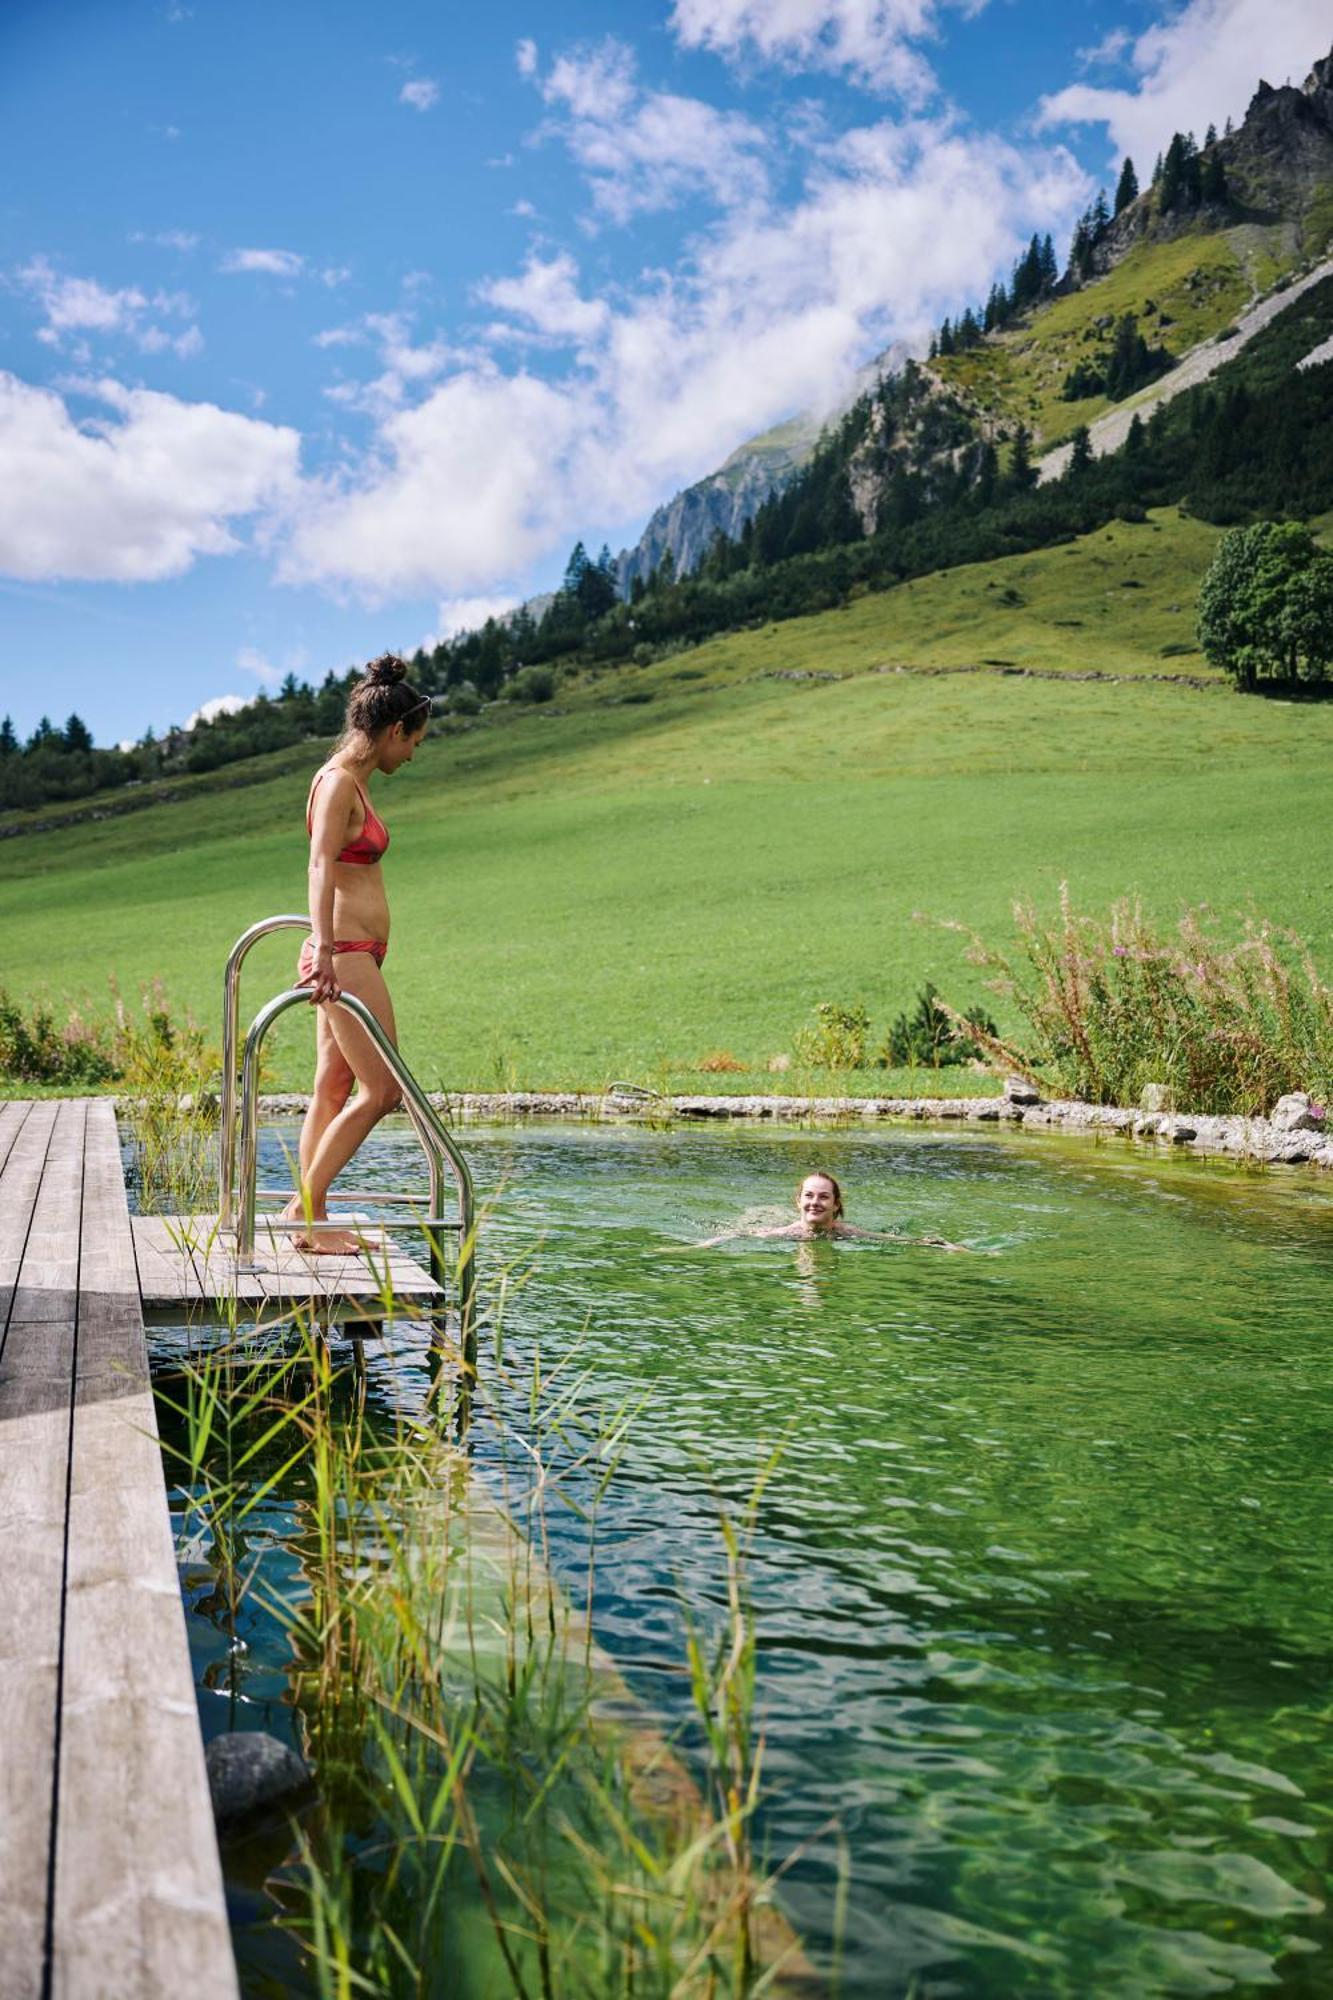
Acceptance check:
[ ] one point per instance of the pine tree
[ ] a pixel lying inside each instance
(946, 338)
(1210, 137)
(1080, 458)
(1228, 129)
(1171, 189)
(1158, 170)
(1100, 214)
(42, 734)
(78, 736)
(1213, 187)
(1047, 267)
(9, 742)
(1127, 188)
(574, 570)
(1022, 472)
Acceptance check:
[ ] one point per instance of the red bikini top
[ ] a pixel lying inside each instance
(373, 838)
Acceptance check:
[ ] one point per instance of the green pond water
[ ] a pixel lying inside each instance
(1044, 1579)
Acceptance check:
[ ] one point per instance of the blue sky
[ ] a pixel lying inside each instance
(327, 327)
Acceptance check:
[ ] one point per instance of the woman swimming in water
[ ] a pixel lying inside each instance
(349, 938)
(819, 1213)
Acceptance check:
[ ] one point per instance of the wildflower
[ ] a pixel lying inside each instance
(1122, 951)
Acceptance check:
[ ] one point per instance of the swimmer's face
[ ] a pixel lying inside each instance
(817, 1202)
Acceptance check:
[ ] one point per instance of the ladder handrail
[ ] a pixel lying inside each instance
(231, 1016)
(436, 1142)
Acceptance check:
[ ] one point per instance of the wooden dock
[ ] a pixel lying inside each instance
(110, 1882)
(109, 1875)
(185, 1261)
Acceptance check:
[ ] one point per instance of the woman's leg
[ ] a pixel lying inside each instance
(377, 1091)
(331, 1089)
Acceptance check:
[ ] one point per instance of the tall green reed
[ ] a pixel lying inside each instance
(1110, 1004)
(493, 1802)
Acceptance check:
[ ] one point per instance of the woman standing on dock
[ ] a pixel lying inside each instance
(349, 937)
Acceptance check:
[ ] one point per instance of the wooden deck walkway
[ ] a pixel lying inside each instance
(183, 1261)
(110, 1882)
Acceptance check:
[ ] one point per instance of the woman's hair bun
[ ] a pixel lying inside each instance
(387, 669)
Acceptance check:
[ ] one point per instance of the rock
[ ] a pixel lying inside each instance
(1177, 1131)
(252, 1776)
(1155, 1097)
(1017, 1090)
(1147, 1128)
(777, 1065)
(1297, 1112)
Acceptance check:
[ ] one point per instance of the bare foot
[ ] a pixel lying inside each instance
(325, 1242)
(329, 1243)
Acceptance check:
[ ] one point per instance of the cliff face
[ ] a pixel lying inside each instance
(1279, 169)
(733, 495)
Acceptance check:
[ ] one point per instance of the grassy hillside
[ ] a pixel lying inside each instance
(622, 887)
(1181, 292)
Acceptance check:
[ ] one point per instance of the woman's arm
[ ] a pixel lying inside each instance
(328, 833)
(906, 1242)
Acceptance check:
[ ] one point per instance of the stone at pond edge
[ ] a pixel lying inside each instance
(252, 1775)
(1017, 1090)
(1297, 1112)
(1155, 1097)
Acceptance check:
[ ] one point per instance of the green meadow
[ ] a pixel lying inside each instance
(681, 860)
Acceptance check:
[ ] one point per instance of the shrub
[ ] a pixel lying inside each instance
(1110, 1005)
(931, 1038)
(158, 1052)
(839, 1041)
(530, 684)
(462, 700)
(33, 1049)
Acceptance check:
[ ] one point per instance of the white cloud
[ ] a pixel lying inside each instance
(1109, 49)
(547, 297)
(402, 362)
(1198, 67)
(272, 263)
(645, 150)
(167, 239)
(421, 93)
(525, 55)
(253, 662)
(869, 39)
(478, 474)
(467, 614)
(335, 275)
(82, 306)
(208, 711)
(133, 496)
(465, 487)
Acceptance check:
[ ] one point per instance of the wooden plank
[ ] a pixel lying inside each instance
(36, 1389)
(139, 1905)
(18, 1194)
(182, 1260)
(168, 1273)
(12, 1114)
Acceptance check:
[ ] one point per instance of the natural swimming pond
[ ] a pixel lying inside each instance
(1043, 1578)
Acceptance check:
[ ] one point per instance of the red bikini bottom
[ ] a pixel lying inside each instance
(305, 964)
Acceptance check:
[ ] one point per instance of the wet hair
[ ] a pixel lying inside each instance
(822, 1174)
(383, 696)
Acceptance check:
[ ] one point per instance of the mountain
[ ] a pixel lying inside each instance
(1278, 173)
(724, 501)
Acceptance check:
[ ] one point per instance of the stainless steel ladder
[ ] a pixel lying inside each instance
(239, 1148)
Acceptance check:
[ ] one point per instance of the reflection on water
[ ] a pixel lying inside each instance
(1043, 1579)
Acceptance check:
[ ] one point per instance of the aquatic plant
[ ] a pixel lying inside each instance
(1111, 1004)
(488, 1785)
